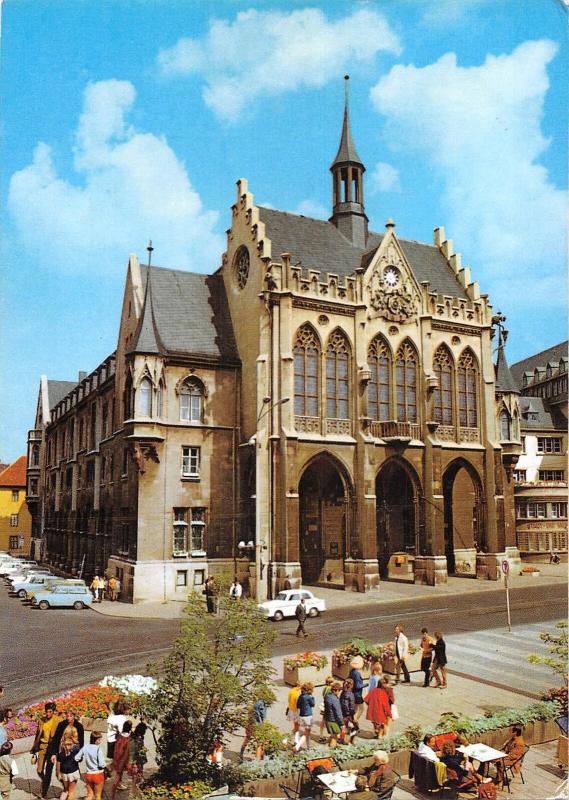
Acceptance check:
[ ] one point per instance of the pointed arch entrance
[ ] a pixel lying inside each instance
(463, 517)
(397, 508)
(325, 506)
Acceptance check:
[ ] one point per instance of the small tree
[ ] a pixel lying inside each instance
(216, 670)
(557, 647)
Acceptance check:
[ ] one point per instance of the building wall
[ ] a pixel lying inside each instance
(15, 520)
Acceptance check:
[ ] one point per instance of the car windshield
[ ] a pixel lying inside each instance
(282, 596)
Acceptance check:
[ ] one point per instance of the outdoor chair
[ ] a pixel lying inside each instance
(515, 769)
(326, 764)
(292, 794)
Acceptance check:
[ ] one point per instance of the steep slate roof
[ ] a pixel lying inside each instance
(546, 417)
(15, 474)
(320, 245)
(57, 390)
(504, 378)
(185, 313)
(541, 359)
(347, 152)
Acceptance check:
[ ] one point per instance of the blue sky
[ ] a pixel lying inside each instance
(130, 119)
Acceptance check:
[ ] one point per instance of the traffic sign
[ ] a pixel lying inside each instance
(505, 567)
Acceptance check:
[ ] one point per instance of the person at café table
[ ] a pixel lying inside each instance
(380, 776)
(514, 747)
(362, 792)
(459, 763)
(427, 748)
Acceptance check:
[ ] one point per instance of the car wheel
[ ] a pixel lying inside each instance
(313, 612)
(78, 605)
(277, 616)
(43, 604)
(22, 593)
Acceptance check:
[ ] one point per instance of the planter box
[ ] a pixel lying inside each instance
(94, 724)
(413, 663)
(342, 671)
(22, 745)
(312, 675)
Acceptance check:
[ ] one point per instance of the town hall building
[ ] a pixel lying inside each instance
(324, 409)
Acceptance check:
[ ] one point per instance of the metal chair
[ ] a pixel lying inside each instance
(515, 765)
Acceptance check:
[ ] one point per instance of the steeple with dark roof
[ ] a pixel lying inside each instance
(504, 379)
(347, 169)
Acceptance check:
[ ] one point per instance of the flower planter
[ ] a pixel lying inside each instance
(413, 663)
(22, 745)
(94, 724)
(342, 671)
(306, 675)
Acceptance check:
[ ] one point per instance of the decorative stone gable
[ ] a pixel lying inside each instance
(391, 291)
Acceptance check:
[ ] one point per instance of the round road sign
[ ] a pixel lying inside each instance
(505, 567)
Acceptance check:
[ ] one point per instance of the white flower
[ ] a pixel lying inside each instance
(130, 684)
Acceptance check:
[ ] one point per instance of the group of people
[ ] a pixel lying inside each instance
(104, 588)
(211, 591)
(60, 743)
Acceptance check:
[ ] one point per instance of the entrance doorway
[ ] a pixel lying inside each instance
(324, 513)
(396, 514)
(463, 516)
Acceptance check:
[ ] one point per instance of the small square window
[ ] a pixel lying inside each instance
(190, 462)
(181, 577)
(14, 542)
(13, 520)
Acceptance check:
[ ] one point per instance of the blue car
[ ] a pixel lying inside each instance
(63, 596)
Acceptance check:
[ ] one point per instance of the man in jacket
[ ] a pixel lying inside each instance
(440, 661)
(401, 653)
(300, 614)
(53, 747)
(333, 713)
(46, 729)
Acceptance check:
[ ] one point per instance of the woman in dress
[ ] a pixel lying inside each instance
(378, 709)
(356, 665)
(68, 767)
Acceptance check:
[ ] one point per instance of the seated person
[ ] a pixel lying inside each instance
(514, 747)
(457, 762)
(379, 774)
(427, 748)
(362, 792)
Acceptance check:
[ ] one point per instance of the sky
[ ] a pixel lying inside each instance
(124, 120)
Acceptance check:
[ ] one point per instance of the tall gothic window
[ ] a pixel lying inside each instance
(191, 401)
(338, 377)
(379, 387)
(442, 405)
(467, 390)
(306, 355)
(145, 398)
(160, 400)
(406, 383)
(504, 426)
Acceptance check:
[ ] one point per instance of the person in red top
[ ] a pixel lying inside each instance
(378, 709)
(120, 758)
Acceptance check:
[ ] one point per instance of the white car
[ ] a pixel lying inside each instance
(285, 603)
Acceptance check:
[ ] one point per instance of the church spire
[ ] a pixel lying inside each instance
(347, 169)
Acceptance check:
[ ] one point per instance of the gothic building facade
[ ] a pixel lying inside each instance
(325, 408)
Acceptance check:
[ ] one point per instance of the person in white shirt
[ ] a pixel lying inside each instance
(401, 653)
(8, 770)
(115, 722)
(427, 748)
(235, 590)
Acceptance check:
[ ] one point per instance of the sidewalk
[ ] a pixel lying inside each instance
(388, 592)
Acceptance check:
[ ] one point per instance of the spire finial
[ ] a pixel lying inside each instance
(346, 90)
(150, 250)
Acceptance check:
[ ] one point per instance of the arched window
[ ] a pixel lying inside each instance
(306, 356)
(406, 383)
(379, 387)
(160, 400)
(443, 395)
(468, 390)
(338, 377)
(504, 426)
(36, 455)
(516, 427)
(191, 401)
(145, 398)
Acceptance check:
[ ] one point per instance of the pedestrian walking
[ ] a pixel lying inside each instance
(46, 730)
(333, 713)
(209, 591)
(375, 676)
(96, 589)
(401, 653)
(68, 767)
(348, 703)
(235, 590)
(52, 753)
(292, 710)
(120, 759)
(325, 689)
(94, 759)
(115, 722)
(118, 588)
(8, 770)
(113, 588)
(356, 665)
(257, 715)
(104, 587)
(440, 661)
(305, 706)
(427, 646)
(378, 709)
(300, 614)
(138, 757)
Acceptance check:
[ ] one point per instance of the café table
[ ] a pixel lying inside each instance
(484, 754)
(339, 783)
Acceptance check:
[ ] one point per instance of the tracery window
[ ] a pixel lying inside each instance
(468, 390)
(191, 401)
(504, 426)
(160, 400)
(443, 394)
(406, 383)
(145, 398)
(306, 355)
(379, 387)
(337, 377)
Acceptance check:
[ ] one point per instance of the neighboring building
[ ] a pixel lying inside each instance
(541, 471)
(15, 519)
(322, 409)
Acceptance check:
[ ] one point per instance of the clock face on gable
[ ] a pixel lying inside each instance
(391, 276)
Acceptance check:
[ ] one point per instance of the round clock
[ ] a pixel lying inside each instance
(391, 276)
(241, 266)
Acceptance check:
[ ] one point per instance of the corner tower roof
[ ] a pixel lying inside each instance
(347, 153)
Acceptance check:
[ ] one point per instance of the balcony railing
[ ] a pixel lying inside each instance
(468, 434)
(395, 430)
(338, 427)
(307, 424)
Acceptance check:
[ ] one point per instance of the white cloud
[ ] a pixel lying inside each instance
(479, 130)
(270, 52)
(129, 187)
(310, 208)
(385, 178)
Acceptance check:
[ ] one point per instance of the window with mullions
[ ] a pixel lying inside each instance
(191, 401)
(379, 387)
(190, 462)
(338, 377)
(188, 530)
(468, 390)
(145, 398)
(548, 444)
(180, 532)
(443, 394)
(406, 383)
(306, 356)
(504, 426)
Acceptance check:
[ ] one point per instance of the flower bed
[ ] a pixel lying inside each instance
(130, 684)
(21, 726)
(388, 661)
(342, 657)
(178, 791)
(308, 667)
(94, 701)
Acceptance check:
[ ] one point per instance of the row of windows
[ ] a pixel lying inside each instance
(549, 389)
(520, 475)
(66, 441)
(529, 509)
(393, 383)
(549, 444)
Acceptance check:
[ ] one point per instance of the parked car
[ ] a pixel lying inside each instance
(52, 581)
(285, 603)
(14, 566)
(24, 574)
(63, 596)
(21, 588)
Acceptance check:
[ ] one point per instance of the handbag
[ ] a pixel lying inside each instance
(394, 711)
